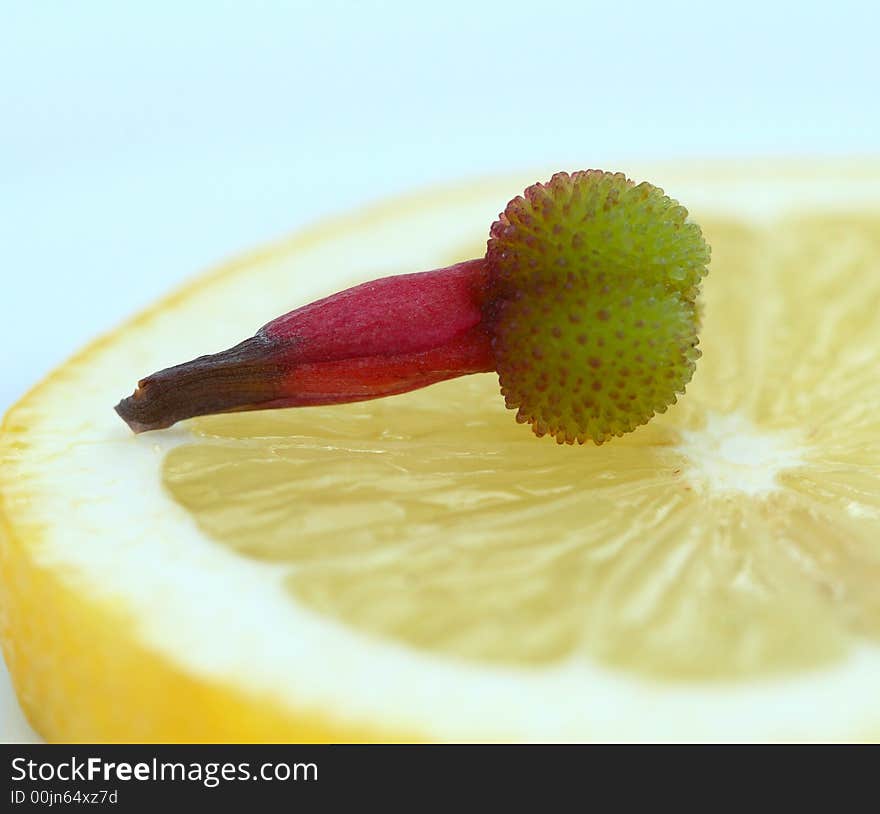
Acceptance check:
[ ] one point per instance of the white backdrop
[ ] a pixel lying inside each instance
(140, 143)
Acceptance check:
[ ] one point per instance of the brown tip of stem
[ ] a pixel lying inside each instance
(246, 376)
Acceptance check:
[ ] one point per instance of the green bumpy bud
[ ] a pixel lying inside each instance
(593, 304)
(596, 362)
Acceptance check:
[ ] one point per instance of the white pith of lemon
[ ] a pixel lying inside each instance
(123, 618)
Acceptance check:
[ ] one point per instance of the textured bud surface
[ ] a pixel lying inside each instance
(594, 282)
(593, 223)
(595, 364)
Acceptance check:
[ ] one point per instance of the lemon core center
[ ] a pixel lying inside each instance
(730, 454)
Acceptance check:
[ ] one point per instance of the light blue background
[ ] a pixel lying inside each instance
(140, 143)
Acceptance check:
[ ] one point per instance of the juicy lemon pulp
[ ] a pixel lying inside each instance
(736, 535)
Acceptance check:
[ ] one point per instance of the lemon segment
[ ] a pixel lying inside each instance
(418, 567)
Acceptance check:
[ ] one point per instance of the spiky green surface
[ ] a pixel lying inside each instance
(596, 362)
(592, 304)
(594, 222)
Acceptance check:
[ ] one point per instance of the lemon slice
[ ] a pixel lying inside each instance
(421, 567)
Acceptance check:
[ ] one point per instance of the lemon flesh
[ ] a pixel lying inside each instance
(421, 566)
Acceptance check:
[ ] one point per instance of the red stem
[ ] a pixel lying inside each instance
(384, 337)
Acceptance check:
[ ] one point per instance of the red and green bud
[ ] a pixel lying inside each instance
(585, 304)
